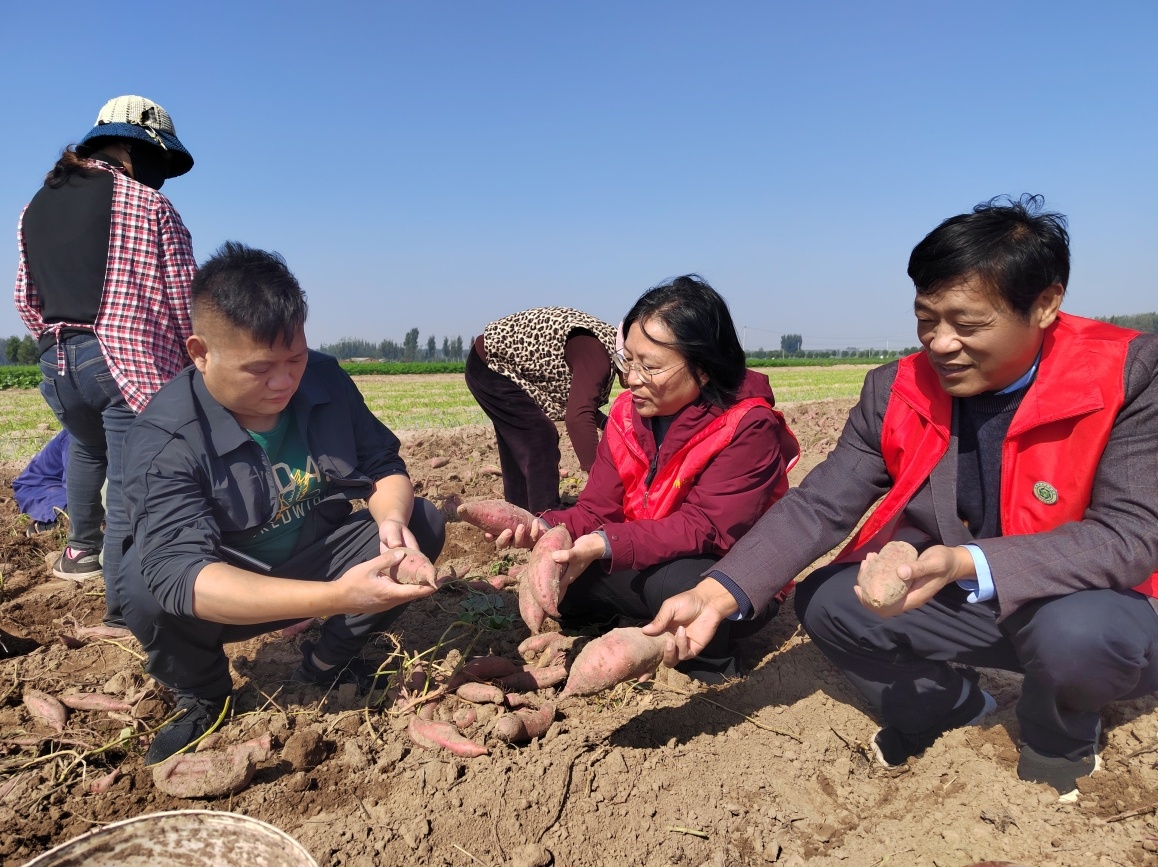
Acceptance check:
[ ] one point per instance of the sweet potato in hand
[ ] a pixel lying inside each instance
(529, 608)
(621, 654)
(543, 573)
(880, 585)
(495, 516)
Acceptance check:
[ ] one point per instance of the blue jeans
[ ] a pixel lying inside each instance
(92, 409)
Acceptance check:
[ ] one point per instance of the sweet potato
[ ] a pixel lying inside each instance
(529, 609)
(211, 774)
(433, 735)
(112, 633)
(487, 668)
(523, 725)
(46, 709)
(101, 785)
(94, 701)
(531, 678)
(464, 717)
(494, 516)
(880, 586)
(538, 643)
(621, 654)
(298, 628)
(480, 693)
(439, 462)
(543, 573)
(414, 568)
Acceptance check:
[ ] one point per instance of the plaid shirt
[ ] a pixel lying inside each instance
(144, 313)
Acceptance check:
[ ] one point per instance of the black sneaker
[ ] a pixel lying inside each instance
(1058, 771)
(78, 566)
(894, 747)
(355, 671)
(194, 717)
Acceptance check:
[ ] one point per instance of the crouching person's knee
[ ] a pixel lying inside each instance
(823, 596)
(428, 527)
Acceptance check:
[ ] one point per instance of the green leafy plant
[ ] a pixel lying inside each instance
(486, 611)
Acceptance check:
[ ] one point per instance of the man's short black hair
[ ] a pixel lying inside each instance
(253, 290)
(1014, 247)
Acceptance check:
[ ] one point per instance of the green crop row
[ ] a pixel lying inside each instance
(19, 376)
(397, 368)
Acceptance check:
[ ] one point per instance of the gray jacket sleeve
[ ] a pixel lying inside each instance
(812, 519)
(172, 521)
(1115, 545)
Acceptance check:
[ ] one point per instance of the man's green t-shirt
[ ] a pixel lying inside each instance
(300, 488)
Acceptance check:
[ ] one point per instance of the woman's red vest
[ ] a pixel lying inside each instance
(675, 479)
(1051, 451)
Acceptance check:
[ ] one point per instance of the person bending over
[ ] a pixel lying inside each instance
(1017, 452)
(530, 370)
(692, 455)
(239, 480)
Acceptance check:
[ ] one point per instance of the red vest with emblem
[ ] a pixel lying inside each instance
(676, 478)
(1051, 451)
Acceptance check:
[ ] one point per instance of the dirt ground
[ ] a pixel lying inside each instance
(769, 769)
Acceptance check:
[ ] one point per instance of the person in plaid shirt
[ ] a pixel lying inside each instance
(103, 284)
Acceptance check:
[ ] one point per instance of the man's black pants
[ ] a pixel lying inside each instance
(1077, 652)
(187, 655)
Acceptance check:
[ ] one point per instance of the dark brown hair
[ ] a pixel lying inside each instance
(69, 164)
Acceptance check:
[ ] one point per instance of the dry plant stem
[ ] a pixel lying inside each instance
(1130, 814)
(678, 829)
(469, 855)
(127, 650)
(750, 719)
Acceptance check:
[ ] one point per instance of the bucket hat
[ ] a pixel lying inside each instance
(138, 118)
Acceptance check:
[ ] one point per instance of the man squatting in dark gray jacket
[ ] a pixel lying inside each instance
(1018, 453)
(239, 476)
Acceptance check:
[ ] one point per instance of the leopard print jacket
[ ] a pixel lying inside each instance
(527, 348)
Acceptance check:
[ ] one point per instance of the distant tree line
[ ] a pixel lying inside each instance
(388, 350)
(792, 346)
(19, 350)
(1147, 322)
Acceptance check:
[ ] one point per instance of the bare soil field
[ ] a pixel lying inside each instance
(769, 769)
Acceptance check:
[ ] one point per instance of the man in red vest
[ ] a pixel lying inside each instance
(1018, 453)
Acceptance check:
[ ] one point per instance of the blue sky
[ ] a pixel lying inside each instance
(440, 164)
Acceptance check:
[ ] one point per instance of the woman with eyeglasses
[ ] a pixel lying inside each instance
(693, 453)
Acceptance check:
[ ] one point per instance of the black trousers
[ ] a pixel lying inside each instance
(528, 440)
(1077, 652)
(599, 599)
(187, 654)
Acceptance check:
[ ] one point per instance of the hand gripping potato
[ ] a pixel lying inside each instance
(880, 586)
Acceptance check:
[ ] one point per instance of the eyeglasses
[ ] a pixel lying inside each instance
(645, 374)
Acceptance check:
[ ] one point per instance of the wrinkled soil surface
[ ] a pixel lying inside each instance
(770, 769)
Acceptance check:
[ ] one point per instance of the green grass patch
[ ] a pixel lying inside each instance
(420, 402)
(794, 384)
(21, 410)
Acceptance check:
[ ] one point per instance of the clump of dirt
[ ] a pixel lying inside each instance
(770, 769)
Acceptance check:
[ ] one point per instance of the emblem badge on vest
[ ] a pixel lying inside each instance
(1045, 492)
